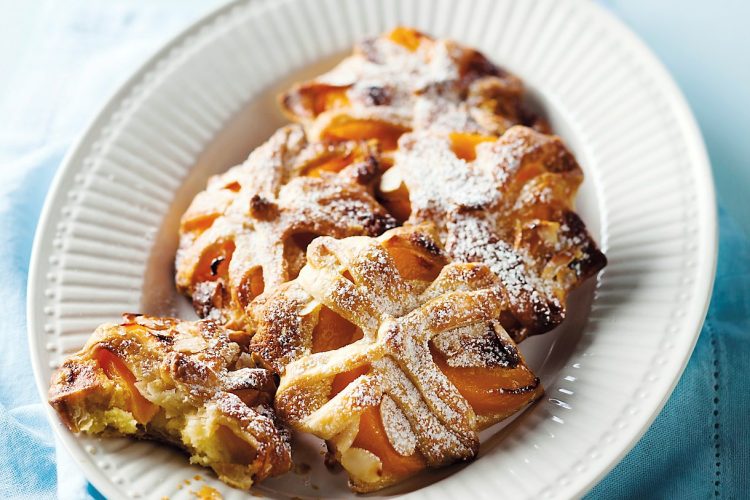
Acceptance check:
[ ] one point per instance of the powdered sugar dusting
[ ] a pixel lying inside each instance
(438, 443)
(397, 427)
(509, 209)
(268, 201)
(437, 85)
(473, 239)
(477, 345)
(439, 181)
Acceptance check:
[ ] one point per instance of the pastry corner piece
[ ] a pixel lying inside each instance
(246, 233)
(507, 202)
(423, 365)
(405, 80)
(191, 384)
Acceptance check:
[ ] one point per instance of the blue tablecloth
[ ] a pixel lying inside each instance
(698, 447)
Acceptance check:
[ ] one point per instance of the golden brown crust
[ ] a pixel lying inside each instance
(510, 207)
(405, 80)
(393, 349)
(187, 383)
(409, 309)
(285, 319)
(247, 231)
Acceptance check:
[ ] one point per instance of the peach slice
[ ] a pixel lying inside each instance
(252, 286)
(464, 144)
(214, 263)
(373, 438)
(491, 391)
(372, 435)
(200, 223)
(333, 164)
(310, 100)
(413, 264)
(330, 98)
(333, 332)
(116, 370)
(406, 37)
(341, 380)
(387, 134)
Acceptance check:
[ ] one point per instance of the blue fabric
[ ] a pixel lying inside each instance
(698, 447)
(67, 58)
(27, 451)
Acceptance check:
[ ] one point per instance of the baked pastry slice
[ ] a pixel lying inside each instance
(291, 323)
(507, 203)
(405, 80)
(191, 384)
(248, 230)
(396, 359)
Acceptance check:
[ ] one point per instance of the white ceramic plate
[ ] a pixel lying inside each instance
(107, 236)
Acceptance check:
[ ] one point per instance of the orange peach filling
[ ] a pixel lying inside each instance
(397, 203)
(330, 98)
(373, 438)
(116, 370)
(199, 223)
(360, 130)
(333, 332)
(214, 263)
(341, 380)
(238, 450)
(252, 286)
(464, 145)
(406, 37)
(490, 391)
(233, 186)
(333, 164)
(372, 435)
(412, 264)
(314, 99)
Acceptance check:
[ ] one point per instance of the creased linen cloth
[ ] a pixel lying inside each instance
(698, 447)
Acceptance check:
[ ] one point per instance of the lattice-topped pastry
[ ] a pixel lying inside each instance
(506, 202)
(290, 323)
(397, 359)
(405, 80)
(192, 384)
(248, 230)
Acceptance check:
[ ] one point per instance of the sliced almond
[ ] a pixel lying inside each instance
(397, 428)
(362, 465)
(392, 182)
(190, 345)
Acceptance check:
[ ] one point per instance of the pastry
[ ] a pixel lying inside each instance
(398, 360)
(248, 230)
(507, 203)
(405, 80)
(396, 345)
(291, 323)
(191, 384)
